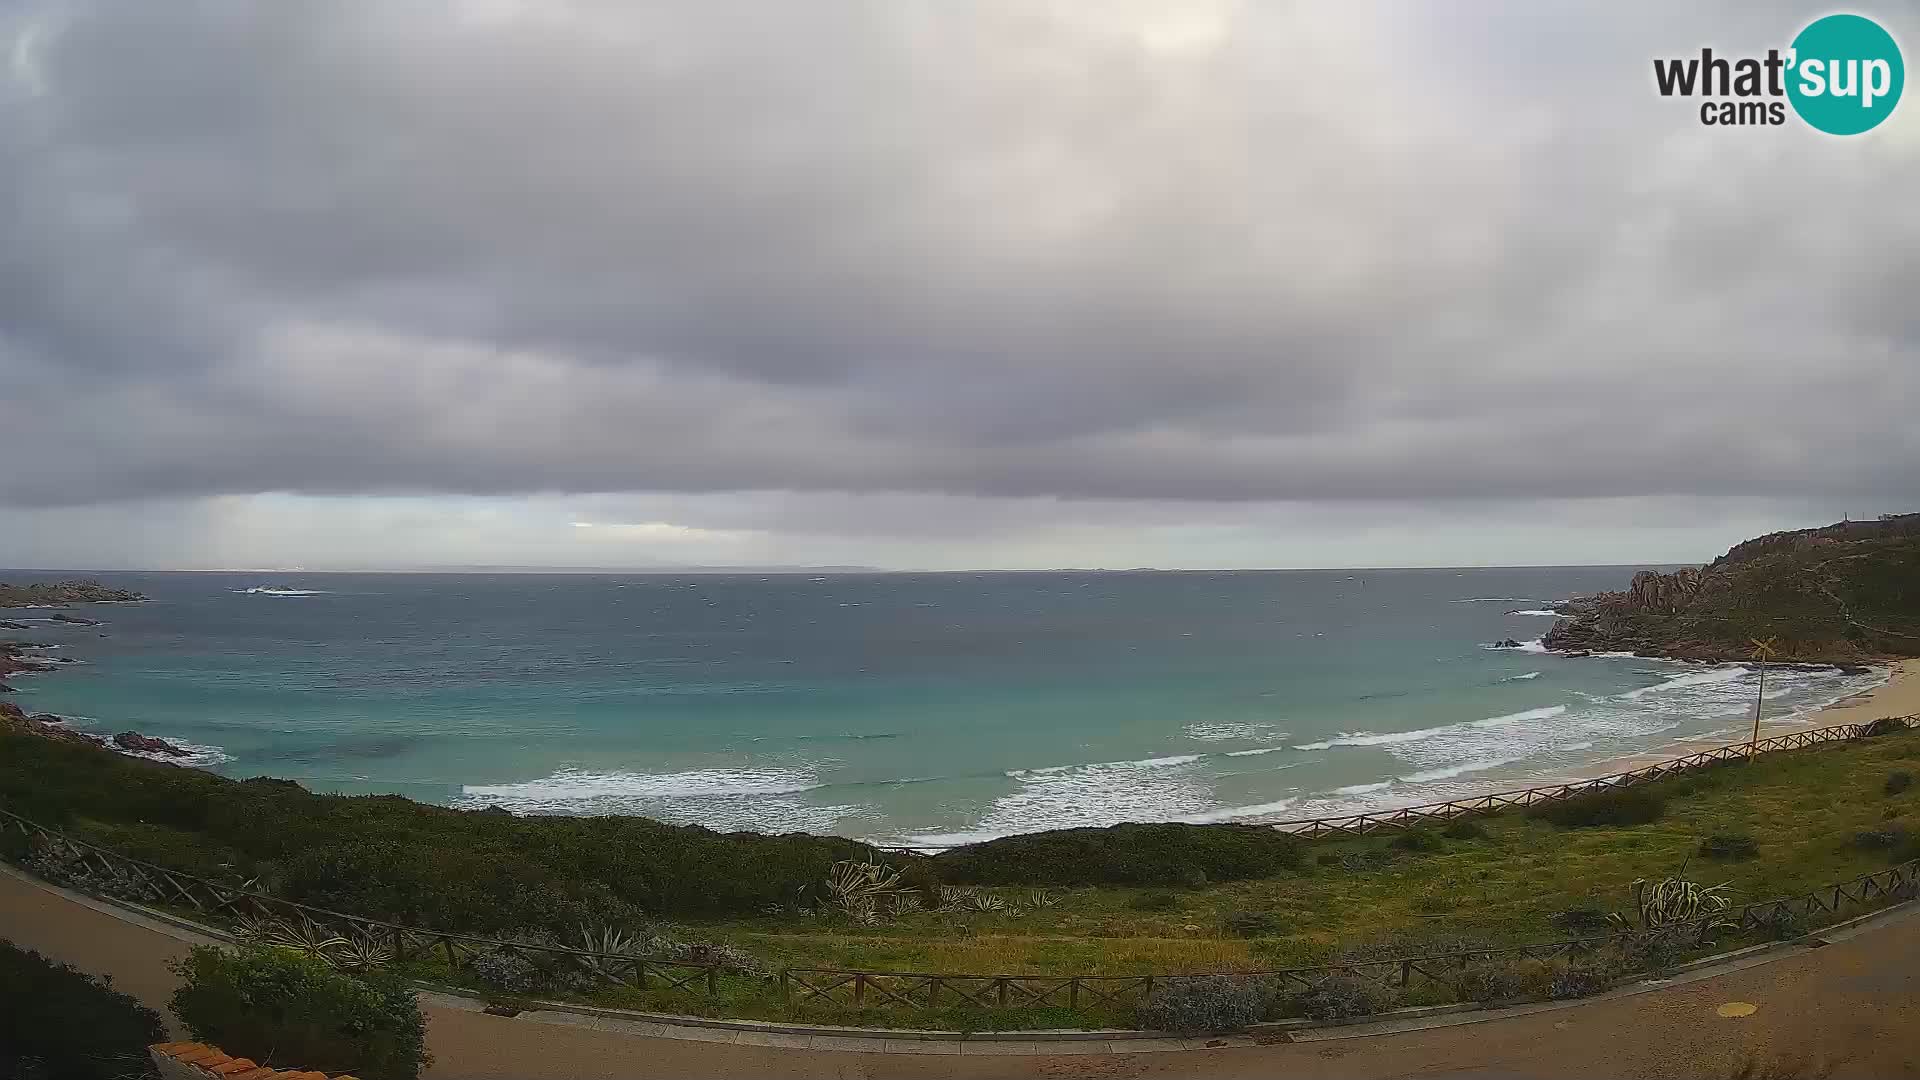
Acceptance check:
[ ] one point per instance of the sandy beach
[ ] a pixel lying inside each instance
(1898, 696)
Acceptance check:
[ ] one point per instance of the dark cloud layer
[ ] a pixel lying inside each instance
(1085, 251)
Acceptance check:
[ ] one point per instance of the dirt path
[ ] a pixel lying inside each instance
(1855, 1003)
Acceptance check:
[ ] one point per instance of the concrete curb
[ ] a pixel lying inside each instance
(1016, 1043)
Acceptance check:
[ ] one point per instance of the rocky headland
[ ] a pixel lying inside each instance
(20, 657)
(17, 656)
(1846, 594)
(48, 726)
(62, 594)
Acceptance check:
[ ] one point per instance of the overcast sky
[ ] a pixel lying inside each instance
(932, 284)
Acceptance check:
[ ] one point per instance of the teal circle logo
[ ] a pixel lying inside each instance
(1845, 75)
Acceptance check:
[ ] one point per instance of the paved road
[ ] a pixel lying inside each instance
(1853, 1005)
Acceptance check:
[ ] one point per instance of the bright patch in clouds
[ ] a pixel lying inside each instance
(662, 531)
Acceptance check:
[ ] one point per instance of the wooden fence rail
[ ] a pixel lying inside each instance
(354, 938)
(1447, 970)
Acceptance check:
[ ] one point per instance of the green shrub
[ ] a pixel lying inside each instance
(1729, 846)
(1344, 997)
(1249, 924)
(1584, 921)
(1154, 900)
(1156, 854)
(1577, 982)
(60, 1024)
(388, 857)
(1498, 979)
(1621, 806)
(1464, 829)
(1206, 1005)
(289, 1010)
(1782, 924)
(1417, 840)
(1897, 782)
(1880, 839)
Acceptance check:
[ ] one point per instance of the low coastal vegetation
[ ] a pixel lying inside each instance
(1133, 899)
(284, 1008)
(62, 1024)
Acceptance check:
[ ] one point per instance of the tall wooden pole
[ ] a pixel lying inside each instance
(1762, 652)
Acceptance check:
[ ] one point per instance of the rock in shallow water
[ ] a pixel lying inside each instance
(133, 740)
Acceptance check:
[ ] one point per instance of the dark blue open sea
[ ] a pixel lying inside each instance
(928, 708)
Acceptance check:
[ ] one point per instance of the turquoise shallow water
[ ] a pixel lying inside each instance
(928, 708)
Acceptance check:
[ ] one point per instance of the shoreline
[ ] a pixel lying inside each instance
(1899, 695)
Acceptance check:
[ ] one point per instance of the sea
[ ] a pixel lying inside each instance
(907, 709)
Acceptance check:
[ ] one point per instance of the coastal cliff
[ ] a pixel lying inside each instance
(1842, 594)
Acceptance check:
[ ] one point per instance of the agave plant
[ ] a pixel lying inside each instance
(858, 888)
(954, 898)
(906, 903)
(362, 950)
(1041, 899)
(302, 935)
(1671, 901)
(605, 943)
(982, 900)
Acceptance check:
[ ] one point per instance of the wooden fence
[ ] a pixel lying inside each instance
(340, 936)
(351, 939)
(1447, 970)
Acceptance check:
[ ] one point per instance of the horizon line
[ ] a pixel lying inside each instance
(839, 571)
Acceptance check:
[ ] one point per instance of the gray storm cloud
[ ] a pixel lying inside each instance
(1209, 251)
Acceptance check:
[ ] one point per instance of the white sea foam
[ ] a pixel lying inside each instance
(1547, 712)
(1241, 813)
(1448, 772)
(269, 590)
(1096, 794)
(1362, 789)
(1521, 678)
(1534, 646)
(1495, 600)
(197, 756)
(1222, 732)
(1711, 677)
(1254, 752)
(1545, 613)
(1443, 762)
(1392, 738)
(580, 785)
(762, 800)
(1373, 738)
